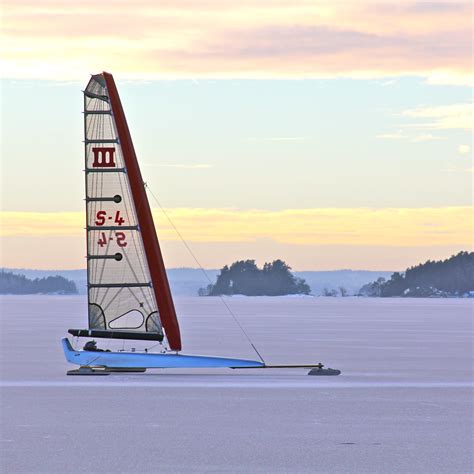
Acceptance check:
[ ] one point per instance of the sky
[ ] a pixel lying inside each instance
(329, 134)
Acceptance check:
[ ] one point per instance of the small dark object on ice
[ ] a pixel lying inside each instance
(88, 371)
(323, 371)
(105, 371)
(126, 369)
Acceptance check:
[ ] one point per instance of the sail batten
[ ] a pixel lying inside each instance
(117, 170)
(91, 95)
(97, 112)
(112, 227)
(117, 198)
(123, 289)
(98, 140)
(118, 285)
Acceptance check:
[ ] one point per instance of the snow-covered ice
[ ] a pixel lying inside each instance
(402, 404)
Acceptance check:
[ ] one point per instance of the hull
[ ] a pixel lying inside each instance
(151, 361)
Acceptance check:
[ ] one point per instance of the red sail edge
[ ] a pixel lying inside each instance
(154, 257)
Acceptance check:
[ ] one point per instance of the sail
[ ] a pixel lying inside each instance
(127, 285)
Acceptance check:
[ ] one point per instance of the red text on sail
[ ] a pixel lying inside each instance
(103, 157)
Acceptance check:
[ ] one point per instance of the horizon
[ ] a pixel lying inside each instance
(194, 268)
(329, 135)
(228, 264)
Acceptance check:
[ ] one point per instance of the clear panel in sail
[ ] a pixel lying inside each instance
(120, 291)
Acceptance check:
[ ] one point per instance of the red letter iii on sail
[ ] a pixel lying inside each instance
(103, 158)
(152, 247)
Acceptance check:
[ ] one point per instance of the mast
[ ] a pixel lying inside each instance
(154, 257)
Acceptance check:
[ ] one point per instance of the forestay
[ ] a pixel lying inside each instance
(120, 291)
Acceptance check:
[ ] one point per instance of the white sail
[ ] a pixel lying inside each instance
(120, 291)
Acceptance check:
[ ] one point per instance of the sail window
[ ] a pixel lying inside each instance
(153, 323)
(130, 320)
(96, 317)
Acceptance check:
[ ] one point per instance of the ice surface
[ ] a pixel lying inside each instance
(402, 404)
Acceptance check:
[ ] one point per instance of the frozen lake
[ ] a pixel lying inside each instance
(402, 404)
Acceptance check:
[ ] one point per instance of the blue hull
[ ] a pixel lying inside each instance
(150, 360)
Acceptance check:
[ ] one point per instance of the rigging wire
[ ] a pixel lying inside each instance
(203, 271)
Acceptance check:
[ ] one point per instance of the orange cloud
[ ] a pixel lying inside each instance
(142, 39)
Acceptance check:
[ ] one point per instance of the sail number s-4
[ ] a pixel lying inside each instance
(120, 238)
(101, 218)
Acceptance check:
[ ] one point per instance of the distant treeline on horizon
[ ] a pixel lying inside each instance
(452, 277)
(444, 278)
(12, 284)
(245, 278)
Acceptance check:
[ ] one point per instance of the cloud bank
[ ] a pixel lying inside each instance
(335, 226)
(308, 239)
(55, 39)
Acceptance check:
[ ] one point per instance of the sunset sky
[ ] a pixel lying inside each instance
(331, 134)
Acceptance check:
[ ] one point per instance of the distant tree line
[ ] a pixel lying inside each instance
(451, 277)
(245, 278)
(13, 284)
(342, 291)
